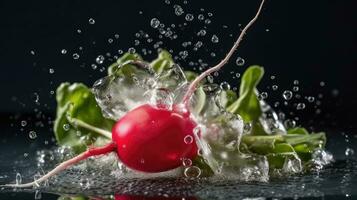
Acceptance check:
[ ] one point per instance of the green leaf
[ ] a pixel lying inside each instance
(298, 130)
(190, 76)
(127, 69)
(247, 105)
(164, 61)
(77, 101)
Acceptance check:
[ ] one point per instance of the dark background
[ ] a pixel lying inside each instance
(309, 41)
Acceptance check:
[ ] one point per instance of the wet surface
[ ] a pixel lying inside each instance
(336, 181)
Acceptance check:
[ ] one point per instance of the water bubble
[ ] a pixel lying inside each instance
(192, 172)
(63, 51)
(295, 88)
(32, 135)
(274, 87)
(178, 10)
(201, 32)
(18, 178)
(189, 17)
(51, 71)
(210, 14)
(240, 61)
(91, 21)
(310, 99)
(247, 127)
(215, 39)
(287, 94)
(23, 123)
(94, 66)
(225, 86)
(201, 17)
(188, 139)
(186, 162)
(75, 56)
(154, 22)
(100, 59)
(66, 127)
(263, 95)
(110, 40)
(349, 152)
(131, 50)
(300, 106)
(237, 75)
(289, 123)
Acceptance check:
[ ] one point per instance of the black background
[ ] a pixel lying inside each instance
(309, 41)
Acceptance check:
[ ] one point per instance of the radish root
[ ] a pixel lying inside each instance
(194, 83)
(89, 153)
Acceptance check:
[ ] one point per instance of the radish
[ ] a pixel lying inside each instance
(150, 138)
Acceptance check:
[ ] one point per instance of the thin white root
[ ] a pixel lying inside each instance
(77, 122)
(90, 152)
(194, 83)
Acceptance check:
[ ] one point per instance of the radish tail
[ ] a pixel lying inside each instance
(90, 152)
(194, 83)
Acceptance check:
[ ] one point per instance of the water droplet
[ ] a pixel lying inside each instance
(154, 22)
(296, 82)
(32, 52)
(63, 51)
(75, 56)
(322, 84)
(192, 172)
(295, 88)
(51, 71)
(18, 178)
(66, 127)
(207, 21)
(300, 106)
(201, 17)
(131, 50)
(94, 66)
(215, 39)
(240, 61)
(188, 139)
(178, 10)
(110, 40)
(186, 162)
(310, 99)
(23, 123)
(32, 135)
(274, 87)
(263, 95)
(272, 77)
(210, 14)
(100, 59)
(189, 17)
(289, 123)
(91, 21)
(287, 94)
(237, 75)
(225, 86)
(349, 152)
(247, 127)
(116, 36)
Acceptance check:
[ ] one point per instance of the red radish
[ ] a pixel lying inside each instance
(162, 138)
(151, 139)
